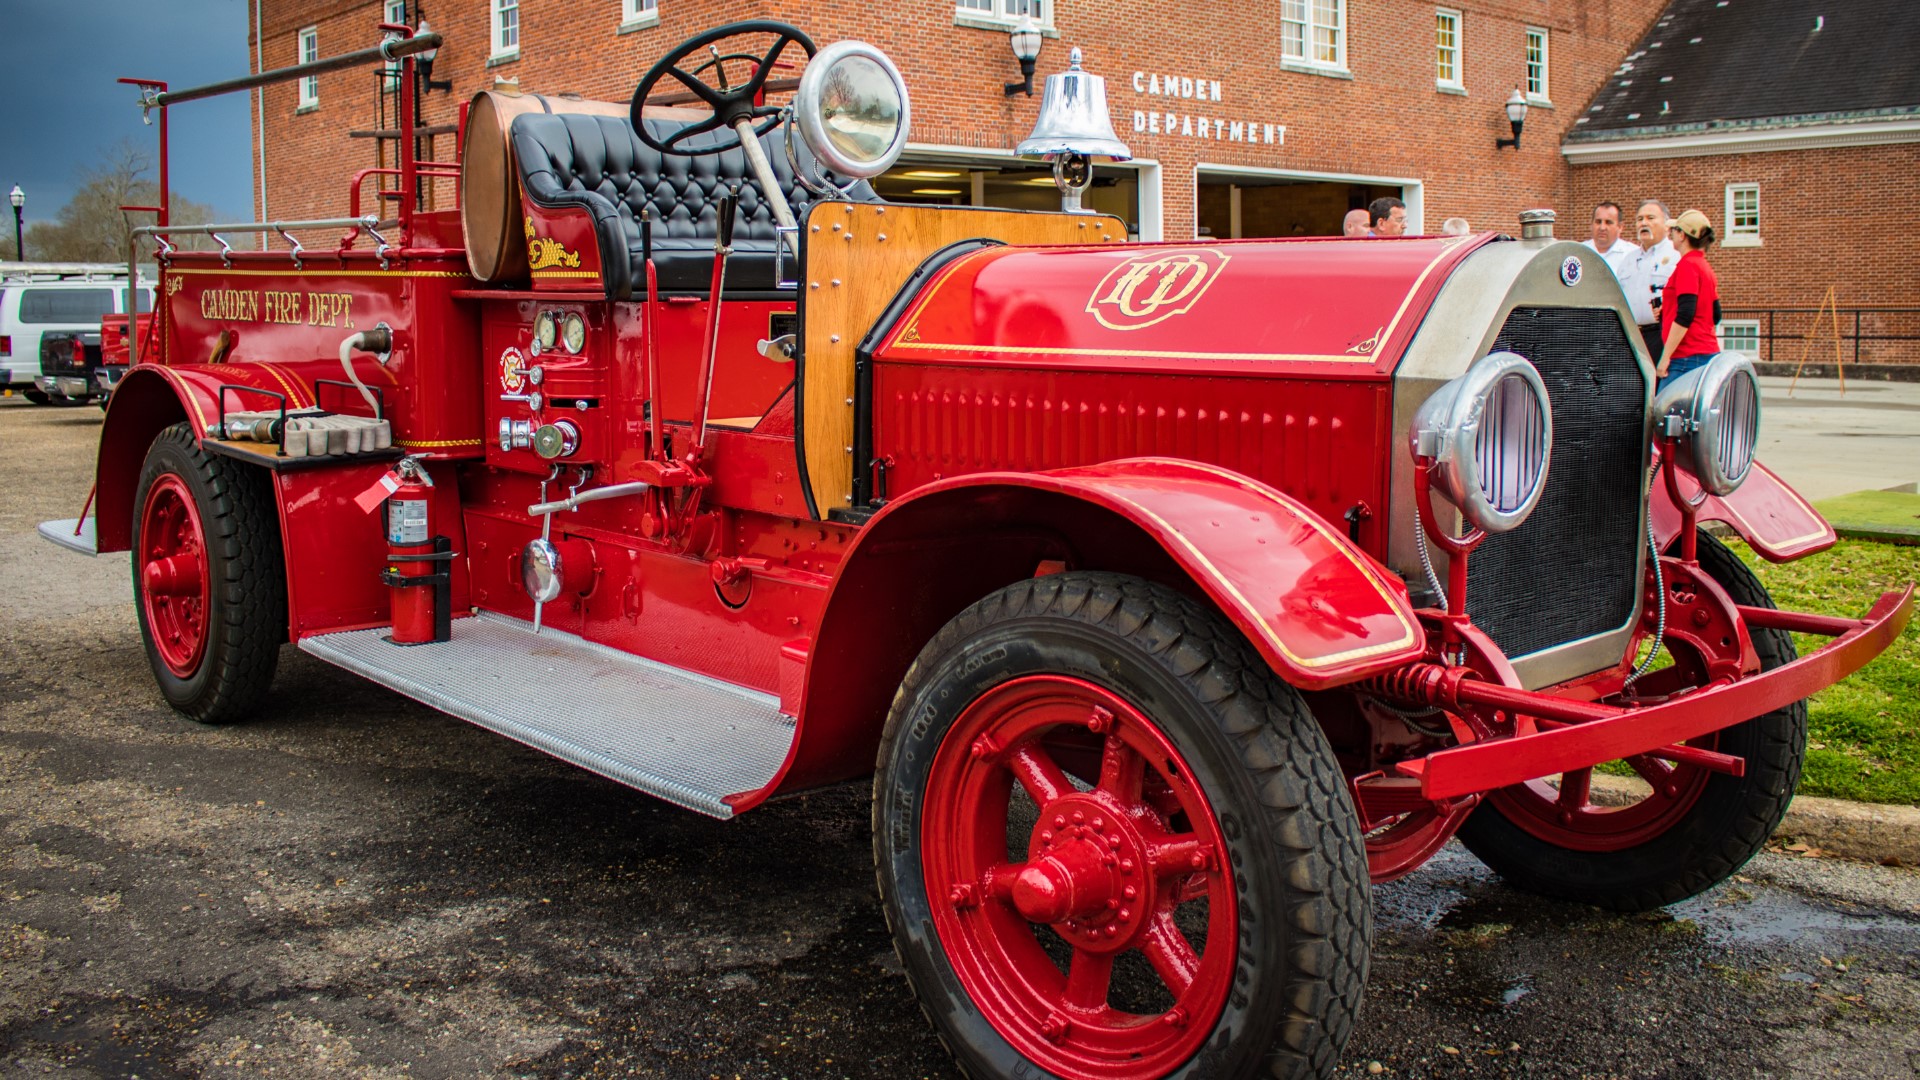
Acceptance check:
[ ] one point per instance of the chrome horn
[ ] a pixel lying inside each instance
(1073, 129)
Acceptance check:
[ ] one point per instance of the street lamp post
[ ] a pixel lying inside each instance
(19, 200)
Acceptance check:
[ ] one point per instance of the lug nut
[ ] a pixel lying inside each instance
(1055, 1027)
(962, 896)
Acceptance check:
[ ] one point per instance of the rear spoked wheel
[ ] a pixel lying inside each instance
(1111, 844)
(1693, 829)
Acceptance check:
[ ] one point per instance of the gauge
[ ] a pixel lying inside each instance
(543, 330)
(573, 333)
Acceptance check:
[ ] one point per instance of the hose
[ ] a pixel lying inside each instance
(1660, 588)
(377, 340)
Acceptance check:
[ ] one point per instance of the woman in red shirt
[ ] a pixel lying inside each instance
(1690, 304)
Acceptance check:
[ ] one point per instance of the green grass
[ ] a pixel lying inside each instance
(1864, 733)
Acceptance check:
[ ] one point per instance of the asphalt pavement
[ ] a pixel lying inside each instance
(356, 885)
(1827, 440)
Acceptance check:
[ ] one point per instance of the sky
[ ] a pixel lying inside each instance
(58, 63)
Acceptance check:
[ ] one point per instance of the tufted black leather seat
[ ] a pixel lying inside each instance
(599, 164)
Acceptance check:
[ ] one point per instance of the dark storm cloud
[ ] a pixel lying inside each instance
(60, 105)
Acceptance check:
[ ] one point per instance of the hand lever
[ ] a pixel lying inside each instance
(729, 203)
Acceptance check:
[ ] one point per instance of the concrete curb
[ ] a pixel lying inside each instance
(1874, 832)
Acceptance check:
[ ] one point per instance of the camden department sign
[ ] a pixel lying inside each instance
(1186, 122)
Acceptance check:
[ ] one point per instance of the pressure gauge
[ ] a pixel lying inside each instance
(543, 331)
(573, 333)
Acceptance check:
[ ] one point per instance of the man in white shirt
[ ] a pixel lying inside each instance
(1644, 272)
(1607, 239)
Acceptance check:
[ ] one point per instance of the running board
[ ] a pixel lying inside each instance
(685, 738)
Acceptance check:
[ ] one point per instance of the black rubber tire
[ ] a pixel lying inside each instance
(1730, 822)
(247, 600)
(1248, 738)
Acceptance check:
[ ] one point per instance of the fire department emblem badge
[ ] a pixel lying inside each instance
(513, 370)
(1570, 271)
(1142, 291)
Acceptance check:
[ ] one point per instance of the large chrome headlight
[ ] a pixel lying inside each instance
(852, 108)
(1712, 416)
(1490, 434)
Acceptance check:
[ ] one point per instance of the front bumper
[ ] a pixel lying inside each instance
(1585, 734)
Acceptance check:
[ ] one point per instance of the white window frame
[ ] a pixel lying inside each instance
(1002, 14)
(1739, 235)
(305, 51)
(1458, 50)
(497, 29)
(388, 10)
(1310, 27)
(635, 14)
(1544, 95)
(1746, 329)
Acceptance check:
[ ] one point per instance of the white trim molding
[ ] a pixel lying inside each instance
(1744, 141)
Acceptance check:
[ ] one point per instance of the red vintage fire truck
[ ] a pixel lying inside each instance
(1170, 593)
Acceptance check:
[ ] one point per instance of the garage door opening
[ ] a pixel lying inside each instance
(1007, 185)
(1243, 205)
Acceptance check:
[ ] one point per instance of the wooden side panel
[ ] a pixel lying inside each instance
(857, 257)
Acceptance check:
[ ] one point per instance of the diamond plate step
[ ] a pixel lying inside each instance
(683, 737)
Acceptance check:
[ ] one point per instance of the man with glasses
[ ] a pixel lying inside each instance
(1644, 271)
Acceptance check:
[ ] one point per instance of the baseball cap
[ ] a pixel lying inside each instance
(1692, 222)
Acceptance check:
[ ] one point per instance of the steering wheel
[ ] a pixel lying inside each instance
(730, 104)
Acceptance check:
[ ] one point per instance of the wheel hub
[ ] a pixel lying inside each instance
(1082, 875)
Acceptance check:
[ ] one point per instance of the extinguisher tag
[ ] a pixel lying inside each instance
(407, 521)
(371, 498)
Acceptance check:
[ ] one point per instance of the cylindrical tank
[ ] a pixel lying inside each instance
(490, 182)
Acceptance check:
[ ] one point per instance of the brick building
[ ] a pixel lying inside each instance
(1246, 119)
(1796, 133)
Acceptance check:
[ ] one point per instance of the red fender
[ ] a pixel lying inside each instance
(1319, 610)
(1767, 514)
(151, 398)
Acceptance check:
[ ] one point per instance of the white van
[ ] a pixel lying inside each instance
(38, 297)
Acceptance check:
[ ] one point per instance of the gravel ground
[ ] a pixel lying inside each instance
(355, 885)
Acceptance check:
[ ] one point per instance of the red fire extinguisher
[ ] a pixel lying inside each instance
(417, 559)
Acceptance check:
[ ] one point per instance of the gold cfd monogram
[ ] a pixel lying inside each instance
(1144, 291)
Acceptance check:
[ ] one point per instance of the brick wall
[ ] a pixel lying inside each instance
(1387, 120)
(1828, 217)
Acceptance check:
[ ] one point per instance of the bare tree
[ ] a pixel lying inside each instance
(92, 227)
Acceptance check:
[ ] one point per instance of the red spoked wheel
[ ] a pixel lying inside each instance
(1695, 827)
(209, 583)
(1111, 844)
(1122, 868)
(172, 565)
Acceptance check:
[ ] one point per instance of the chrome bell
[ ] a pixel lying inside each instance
(1074, 128)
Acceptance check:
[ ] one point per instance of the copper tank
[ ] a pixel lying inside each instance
(490, 182)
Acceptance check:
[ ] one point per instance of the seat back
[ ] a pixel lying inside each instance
(599, 164)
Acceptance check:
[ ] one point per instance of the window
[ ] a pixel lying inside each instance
(309, 51)
(506, 28)
(1312, 33)
(65, 305)
(1537, 65)
(396, 13)
(1741, 336)
(1447, 45)
(1743, 215)
(1004, 12)
(635, 13)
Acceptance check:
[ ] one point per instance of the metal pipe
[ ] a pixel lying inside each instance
(365, 221)
(573, 502)
(387, 50)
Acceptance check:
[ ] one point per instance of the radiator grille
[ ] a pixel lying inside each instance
(1572, 569)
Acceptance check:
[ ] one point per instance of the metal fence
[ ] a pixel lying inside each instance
(1870, 335)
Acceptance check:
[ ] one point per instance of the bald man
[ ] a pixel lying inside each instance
(1355, 224)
